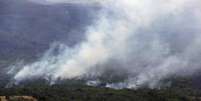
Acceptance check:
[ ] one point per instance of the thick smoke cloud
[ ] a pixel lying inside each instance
(146, 40)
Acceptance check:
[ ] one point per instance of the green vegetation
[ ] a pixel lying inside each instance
(181, 91)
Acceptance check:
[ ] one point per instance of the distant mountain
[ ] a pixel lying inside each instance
(27, 28)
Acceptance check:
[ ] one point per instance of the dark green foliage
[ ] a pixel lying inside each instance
(66, 92)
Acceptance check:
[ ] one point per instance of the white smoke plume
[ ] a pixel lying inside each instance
(148, 40)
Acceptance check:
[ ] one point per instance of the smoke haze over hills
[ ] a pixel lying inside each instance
(145, 41)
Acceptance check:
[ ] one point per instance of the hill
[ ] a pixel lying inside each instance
(27, 29)
(181, 90)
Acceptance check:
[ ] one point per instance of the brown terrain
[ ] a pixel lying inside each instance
(17, 98)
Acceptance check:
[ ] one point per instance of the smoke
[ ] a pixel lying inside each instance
(145, 41)
(68, 1)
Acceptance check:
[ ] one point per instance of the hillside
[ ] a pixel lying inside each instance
(100, 50)
(181, 90)
(27, 29)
